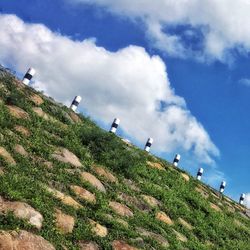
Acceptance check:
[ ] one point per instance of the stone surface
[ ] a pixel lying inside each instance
(185, 224)
(23, 211)
(23, 240)
(180, 236)
(41, 113)
(18, 112)
(65, 223)
(83, 194)
(20, 150)
(120, 209)
(7, 157)
(202, 192)
(88, 245)
(215, 207)
(22, 130)
(156, 165)
(164, 218)
(131, 185)
(91, 179)
(157, 237)
(98, 229)
(121, 245)
(64, 155)
(74, 117)
(151, 200)
(133, 201)
(1, 171)
(185, 176)
(36, 99)
(100, 171)
(66, 199)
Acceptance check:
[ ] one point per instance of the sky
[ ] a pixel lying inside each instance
(177, 71)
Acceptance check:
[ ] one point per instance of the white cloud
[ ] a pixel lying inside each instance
(245, 81)
(129, 84)
(247, 200)
(224, 24)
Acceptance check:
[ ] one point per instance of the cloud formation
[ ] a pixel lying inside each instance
(245, 81)
(129, 84)
(218, 27)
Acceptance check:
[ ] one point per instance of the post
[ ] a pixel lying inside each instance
(176, 160)
(28, 76)
(199, 174)
(222, 186)
(148, 144)
(75, 103)
(114, 125)
(242, 198)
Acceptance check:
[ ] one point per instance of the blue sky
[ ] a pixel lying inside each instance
(208, 78)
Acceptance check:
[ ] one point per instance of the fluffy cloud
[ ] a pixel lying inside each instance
(247, 200)
(245, 81)
(217, 26)
(129, 84)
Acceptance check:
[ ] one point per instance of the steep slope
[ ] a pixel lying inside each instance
(67, 184)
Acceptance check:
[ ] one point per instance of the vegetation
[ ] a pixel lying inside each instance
(26, 181)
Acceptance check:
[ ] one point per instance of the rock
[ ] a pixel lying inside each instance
(122, 222)
(66, 199)
(164, 218)
(18, 112)
(65, 223)
(36, 99)
(74, 117)
(180, 236)
(156, 165)
(202, 192)
(41, 113)
(185, 176)
(22, 130)
(215, 207)
(23, 211)
(7, 157)
(91, 179)
(121, 245)
(185, 224)
(23, 240)
(1, 171)
(133, 201)
(100, 171)
(131, 185)
(20, 150)
(151, 200)
(157, 237)
(120, 209)
(98, 229)
(64, 155)
(88, 245)
(83, 194)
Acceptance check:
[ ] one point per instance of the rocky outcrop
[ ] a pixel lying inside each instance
(83, 194)
(65, 223)
(98, 229)
(64, 155)
(18, 112)
(161, 216)
(92, 180)
(121, 245)
(102, 172)
(20, 150)
(120, 209)
(7, 157)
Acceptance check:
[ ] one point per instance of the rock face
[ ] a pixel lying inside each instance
(36, 99)
(120, 209)
(164, 218)
(91, 179)
(151, 200)
(22, 130)
(66, 199)
(20, 150)
(83, 194)
(18, 112)
(7, 157)
(64, 155)
(100, 171)
(98, 229)
(88, 245)
(121, 245)
(23, 240)
(65, 223)
(155, 165)
(23, 211)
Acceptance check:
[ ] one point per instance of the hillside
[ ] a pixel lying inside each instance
(67, 184)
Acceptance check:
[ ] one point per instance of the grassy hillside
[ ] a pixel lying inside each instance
(84, 188)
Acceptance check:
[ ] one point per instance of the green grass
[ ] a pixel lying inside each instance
(27, 180)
